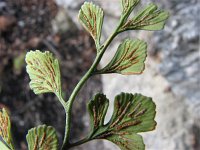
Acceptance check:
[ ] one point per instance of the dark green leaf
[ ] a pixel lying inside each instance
(5, 129)
(132, 114)
(97, 109)
(129, 58)
(44, 72)
(148, 19)
(91, 16)
(42, 138)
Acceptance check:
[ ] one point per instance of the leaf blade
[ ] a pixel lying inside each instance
(3, 146)
(42, 137)
(150, 18)
(132, 114)
(138, 113)
(5, 128)
(127, 8)
(129, 58)
(44, 72)
(128, 142)
(97, 108)
(91, 17)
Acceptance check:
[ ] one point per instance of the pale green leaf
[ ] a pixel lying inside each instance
(127, 8)
(128, 142)
(3, 145)
(151, 18)
(91, 16)
(42, 138)
(132, 114)
(5, 129)
(44, 72)
(129, 58)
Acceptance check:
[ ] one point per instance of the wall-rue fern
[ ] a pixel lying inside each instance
(133, 113)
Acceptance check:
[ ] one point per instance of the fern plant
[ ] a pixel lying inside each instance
(133, 113)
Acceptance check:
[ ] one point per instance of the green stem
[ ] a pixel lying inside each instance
(62, 101)
(68, 107)
(83, 141)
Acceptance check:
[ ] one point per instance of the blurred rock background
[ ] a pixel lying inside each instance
(172, 75)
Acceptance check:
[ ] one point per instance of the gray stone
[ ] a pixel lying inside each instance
(181, 64)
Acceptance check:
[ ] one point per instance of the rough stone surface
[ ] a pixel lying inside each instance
(178, 46)
(172, 75)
